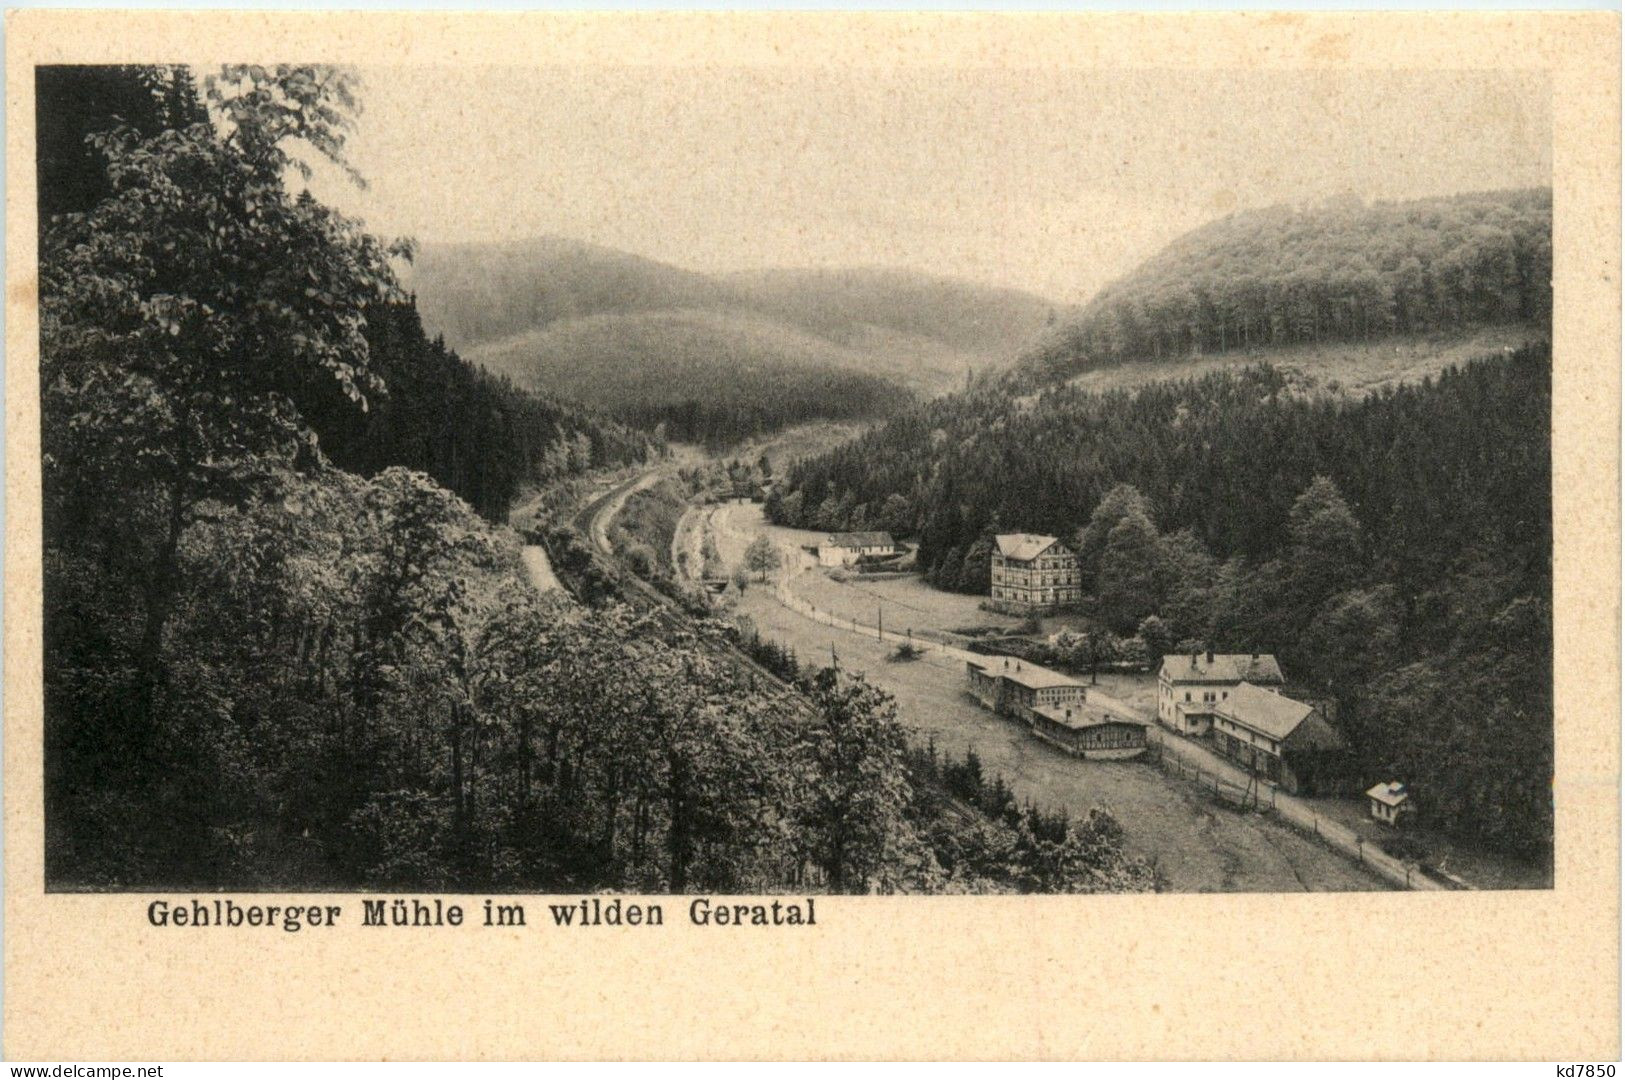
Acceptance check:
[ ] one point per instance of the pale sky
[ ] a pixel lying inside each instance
(1050, 181)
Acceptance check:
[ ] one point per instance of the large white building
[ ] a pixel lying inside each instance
(1191, 686)
(1037, 572)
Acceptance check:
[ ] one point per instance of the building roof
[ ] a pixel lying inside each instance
(1390, 794)
(1087, 716)
(1222, 667)
(859, 540)
(1023, 546)
(1275, 715)
(1029, 675)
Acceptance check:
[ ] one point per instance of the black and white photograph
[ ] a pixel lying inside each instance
(792, 481)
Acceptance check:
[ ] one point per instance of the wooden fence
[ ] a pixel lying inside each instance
(1263, 798)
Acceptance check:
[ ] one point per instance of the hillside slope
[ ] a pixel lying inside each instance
(1342, 271)
(707, 376)
(644, 339)
(478, 293)
(980, 322)
(1392, 548)
(1372, 503)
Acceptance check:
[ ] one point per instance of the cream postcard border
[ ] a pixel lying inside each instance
(1386, 975)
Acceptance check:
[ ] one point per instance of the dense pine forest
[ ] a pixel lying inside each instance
(1344, 270)
(695, 376)
(474, 432)
(722, 406)
(1394, 551)
(283, 650)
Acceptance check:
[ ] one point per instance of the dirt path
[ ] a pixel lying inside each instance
(539, 568)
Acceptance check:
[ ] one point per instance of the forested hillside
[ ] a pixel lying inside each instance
(717, 358)
(1394, 550)
(979, 322)
(1340, 271)
(1390, 541)
(697, 376)
(265, 671)
(472, 431)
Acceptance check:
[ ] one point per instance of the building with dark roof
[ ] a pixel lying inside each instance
(1012, 687)
(1056, 707)
(1090, 730)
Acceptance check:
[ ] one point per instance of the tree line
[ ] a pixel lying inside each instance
(1344, 270)
(721, 406)
(1394, 551)
(474, 432)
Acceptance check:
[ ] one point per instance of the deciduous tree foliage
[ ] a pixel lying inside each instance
(762, 557)
(156, 220)
(182, 313)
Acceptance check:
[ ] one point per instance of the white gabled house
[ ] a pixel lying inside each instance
(1191, 686)
(844, 549)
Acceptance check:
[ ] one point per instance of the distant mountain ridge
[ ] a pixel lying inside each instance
(716, 357)
(475, 293)
(978, 320)
(478, 292)
(919, 330)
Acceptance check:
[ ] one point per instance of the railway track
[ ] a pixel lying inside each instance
(593, 520)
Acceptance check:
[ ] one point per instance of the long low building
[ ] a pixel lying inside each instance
(1012, 687)
(1056, 707)
(844, 549)
(1090, 731)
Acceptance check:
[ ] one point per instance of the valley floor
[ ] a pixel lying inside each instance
(1197, 843)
